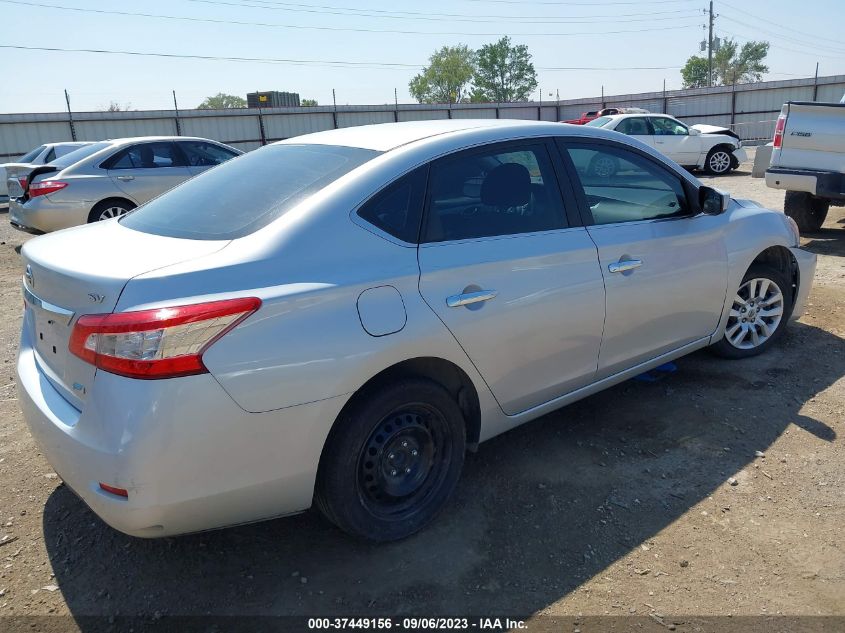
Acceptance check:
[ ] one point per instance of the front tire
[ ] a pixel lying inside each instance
(393, 461)
(760, 311)
(808, 211)
(108, 209)
(719, 161)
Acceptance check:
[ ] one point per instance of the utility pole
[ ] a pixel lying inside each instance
(710, 48)
(816, 83)
(176, 108)
(70, 117)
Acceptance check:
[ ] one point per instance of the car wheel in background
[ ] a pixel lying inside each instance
(108, 209)
(760, 311)
(808, 211)
(603, 166)
(391, 463)
(719, 161)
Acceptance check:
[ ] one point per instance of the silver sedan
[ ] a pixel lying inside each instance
(106, 179)
(337, 318)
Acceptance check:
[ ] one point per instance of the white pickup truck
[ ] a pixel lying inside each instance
(808, 160)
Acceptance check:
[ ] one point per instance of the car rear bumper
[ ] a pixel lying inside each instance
(825, 184)
(42, 215)
(806, 272)
(189, 457)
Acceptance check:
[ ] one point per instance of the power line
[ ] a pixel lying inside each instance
(327, 28)
(748, 38)
(582, 4)
(791, 30)
(439, 17)
(785, 37)
(304, 62)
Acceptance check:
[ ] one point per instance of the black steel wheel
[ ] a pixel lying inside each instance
(390, 465)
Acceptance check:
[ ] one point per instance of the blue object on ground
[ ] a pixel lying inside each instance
(658, 373)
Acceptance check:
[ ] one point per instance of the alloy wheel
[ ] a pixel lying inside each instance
(756, 313)
(719, 162)
(111, 212)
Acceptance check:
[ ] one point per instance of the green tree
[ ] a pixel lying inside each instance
(731, 64)
(694, 72)
(504, 72)
(221, 101)
(308, 102)
(447, 77)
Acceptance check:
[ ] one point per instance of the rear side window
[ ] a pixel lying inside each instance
(502, 190)
(635, 126)
(146, 156)
(246, 194)
(397, 209)
(201, 154)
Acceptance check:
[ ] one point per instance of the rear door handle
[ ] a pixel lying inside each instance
(456, 301)
(625, 264)
(126, 178)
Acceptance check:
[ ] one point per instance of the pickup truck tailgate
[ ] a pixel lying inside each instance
(813, 137)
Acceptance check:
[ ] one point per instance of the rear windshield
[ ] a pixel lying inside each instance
(600, 122)
(246, 193)
(30, 156)
(77, 155)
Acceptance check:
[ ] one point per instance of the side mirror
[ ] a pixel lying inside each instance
(694, 132)
(713, 201)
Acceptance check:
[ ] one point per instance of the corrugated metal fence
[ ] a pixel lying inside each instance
(750, 109)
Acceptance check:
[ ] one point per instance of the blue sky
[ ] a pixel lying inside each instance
(662, 33)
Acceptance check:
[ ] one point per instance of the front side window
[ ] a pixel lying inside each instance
(636, 126)
(146, 156)
(244, 195)
(623, 186)
(397, 209)
(201, 154)
(507, 190)
(668, 127)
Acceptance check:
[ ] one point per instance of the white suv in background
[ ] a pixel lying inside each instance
(714, 149)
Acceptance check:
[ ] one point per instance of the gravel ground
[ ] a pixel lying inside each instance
(715, 491)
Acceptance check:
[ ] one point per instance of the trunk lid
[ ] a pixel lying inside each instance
(83, 271)
(14, 172)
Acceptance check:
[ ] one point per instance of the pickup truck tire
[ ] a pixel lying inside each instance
(808, 211)
(719, 161)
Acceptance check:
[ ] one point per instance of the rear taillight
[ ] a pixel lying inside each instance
(777, 140)
(160, 343)
(45, 187)
(22, 182)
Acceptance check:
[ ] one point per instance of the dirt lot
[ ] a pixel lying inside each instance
(620, 504)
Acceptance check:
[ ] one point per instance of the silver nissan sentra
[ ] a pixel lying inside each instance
(337, 318)
(106, 179)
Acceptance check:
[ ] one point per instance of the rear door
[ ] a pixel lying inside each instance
(510, 273)
(638, 127)
(202, 155)
(672, 139)
(664, 264)
(146, 170)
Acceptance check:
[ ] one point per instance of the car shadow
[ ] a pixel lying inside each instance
(539, 509)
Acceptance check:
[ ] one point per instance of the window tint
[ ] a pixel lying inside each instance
(146, 156)
(668, 127)
(241, 196)
(501, 191)
(637, 126)
(30, 156)
(622, 186)
(397, 209)
(51, 155)
(200, 154)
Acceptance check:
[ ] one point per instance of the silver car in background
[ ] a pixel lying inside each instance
(106, 179)
(337, 318)
(12, 173)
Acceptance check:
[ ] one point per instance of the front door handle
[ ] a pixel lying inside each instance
(456, 301)
(126, 178)
(625, 264)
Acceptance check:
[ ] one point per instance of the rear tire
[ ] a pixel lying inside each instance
(808, 211)
(108, 209)
(759, 314)
(392, 462)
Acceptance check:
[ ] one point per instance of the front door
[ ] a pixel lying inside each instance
(517, 284)
(146, 170)
(672, 139)
(664, 265)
